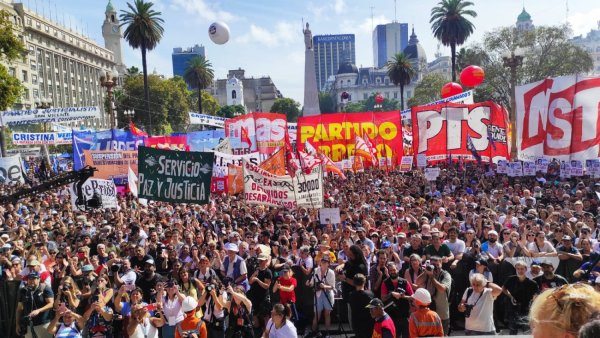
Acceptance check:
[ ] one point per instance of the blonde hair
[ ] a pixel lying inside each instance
(568, 307)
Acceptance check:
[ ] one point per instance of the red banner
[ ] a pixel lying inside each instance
(334, 134)
(167, 142)
(441, 131)
(262, 132)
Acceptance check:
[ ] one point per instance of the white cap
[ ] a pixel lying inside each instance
(231, 247)
(189, 304)
(422, 296)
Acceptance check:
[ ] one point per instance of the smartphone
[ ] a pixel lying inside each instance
(62, 308)
(81, 255)
(129, 287)
(151, 307)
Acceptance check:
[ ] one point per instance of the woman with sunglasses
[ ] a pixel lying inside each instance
(240, 309)
(68, 295)
(279, 326)
(171, 299)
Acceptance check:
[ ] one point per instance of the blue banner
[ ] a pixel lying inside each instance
(205, 140)
(115, 139)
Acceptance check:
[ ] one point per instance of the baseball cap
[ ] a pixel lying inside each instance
(149, 261)
(231, 247)
(33, 274)
(375, 302)
(263, 257)
(87, 268)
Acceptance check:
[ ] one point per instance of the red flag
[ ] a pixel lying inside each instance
(308, 161)
(244, 137)
(372, 148)
(291, 162)
(135, 130)
(361, 149)
(275, 164)
(331, 167)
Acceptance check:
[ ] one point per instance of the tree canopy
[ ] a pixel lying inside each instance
(287, 106)
(326, 103)
(231, 111)
(369, 105)
(428, 89)
(400, 71)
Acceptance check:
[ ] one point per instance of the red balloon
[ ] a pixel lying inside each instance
(472, 76)
(379, 99)
(450, 89)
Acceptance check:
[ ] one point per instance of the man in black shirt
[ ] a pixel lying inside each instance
(260, 281)
(549, 280)
(140, 257)
(362, 322)
(520, 291)
(35, 302)
(147, 282)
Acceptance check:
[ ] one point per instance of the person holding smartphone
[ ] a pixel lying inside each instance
(99, 318)
(71, 326)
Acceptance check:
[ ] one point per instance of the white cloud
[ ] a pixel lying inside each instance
(339, 6)
(583, 22)
(283, 34)
(203, 10)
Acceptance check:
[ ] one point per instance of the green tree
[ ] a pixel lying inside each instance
(178, 104)
(231, 111)
(210, 105)
(326, 103)
(199, 74)
(287, 106)
(11, 49)
(450, 25)
(133, 99)
(144, 31)
(132, 71)
(548, 52)
(428, 89)
(400, 71)
(369, 105)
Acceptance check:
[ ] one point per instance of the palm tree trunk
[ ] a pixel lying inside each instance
(453, 51)
(401, 97)
(199, 100)
(146, 90)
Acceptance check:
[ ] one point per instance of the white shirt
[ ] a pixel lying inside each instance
(172, 310)
(329, 279)
(145, 330)
(229, 272)
(288, 330)
(457, 247)
(482, 314)
(546, 248)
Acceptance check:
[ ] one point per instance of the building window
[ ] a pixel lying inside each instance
(395, 95)
(12, 71)
(34, 79)
(365, 96)
(233, 94)
(24, 75)
(377, 80)
(408, 94)
(36, 94)
(386, 81)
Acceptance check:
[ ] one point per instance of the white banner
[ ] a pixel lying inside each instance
(262, 187)
(528, 168)
(104, 188)
(466, 97)
(431, 174)
(10, 170)
(207, 120)
(42, 138)
(329, 216)
(224, 147)
(33, 116)
(222, 160)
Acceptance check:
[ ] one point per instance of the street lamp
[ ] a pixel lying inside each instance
(129, 114)
(513, 59)
(378, 102)
(45, 103)
(108, 80)
(344, 98)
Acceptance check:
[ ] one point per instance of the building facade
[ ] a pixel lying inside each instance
(591, 43)
(257, 94)
(329, 51)
(181, 57)
(388, 40)
(524, 22)
(111, 32)
(62, 66)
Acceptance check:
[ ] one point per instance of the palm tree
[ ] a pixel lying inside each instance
(132, 71)
(199, 74)
(401, 71)
(450, 25)
(144, 31)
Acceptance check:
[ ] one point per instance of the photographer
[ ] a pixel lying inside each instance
(438, 282)
(323, 283)
(478, 306)
(239, 308)
(122, 272)
(35, 302)
(214, 302)
(68, 294)
(71, 326)
(397, 292)
(171, 301)
(520, 291)
(260, 282)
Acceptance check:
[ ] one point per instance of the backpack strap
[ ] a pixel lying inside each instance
(178, 328)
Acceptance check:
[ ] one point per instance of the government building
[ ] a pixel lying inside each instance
(63, 66)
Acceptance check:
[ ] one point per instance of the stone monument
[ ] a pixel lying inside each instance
(311, 94)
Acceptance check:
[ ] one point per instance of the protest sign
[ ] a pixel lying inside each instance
(207, 120)
(10, 170)
(406, 164)
(105, 188)
(42, 138)
(329, 216)
(111, 164)
(34, 116)
(175, 176)
(529, 168)
(431, 174)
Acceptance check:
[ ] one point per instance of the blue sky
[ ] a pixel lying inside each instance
(266, 37)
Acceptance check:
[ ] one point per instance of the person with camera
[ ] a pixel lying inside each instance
(397, 292)
(142, 325)
(520, 291)
(214, 301)
(99, 317)
(323, 283)
(122, 272)
(260, 282)
(67, 294)
(70, 326)
(424, 322)
(279, 325)
(171, 300)
(33, 310)
(239, 308)
(191, 326)
(438, 282)
(478, 306)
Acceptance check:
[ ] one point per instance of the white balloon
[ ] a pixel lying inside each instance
(218, 33)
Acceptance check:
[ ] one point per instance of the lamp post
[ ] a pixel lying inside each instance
(344, 98)
(108, 80)
(129, 114)
(45, 103)
(378, 102)
(512, 60)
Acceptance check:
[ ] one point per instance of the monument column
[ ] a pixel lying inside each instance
(311, 94)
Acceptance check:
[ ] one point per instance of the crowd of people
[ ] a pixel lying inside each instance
(470, 251)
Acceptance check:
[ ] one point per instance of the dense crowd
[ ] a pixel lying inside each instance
(470, 251)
